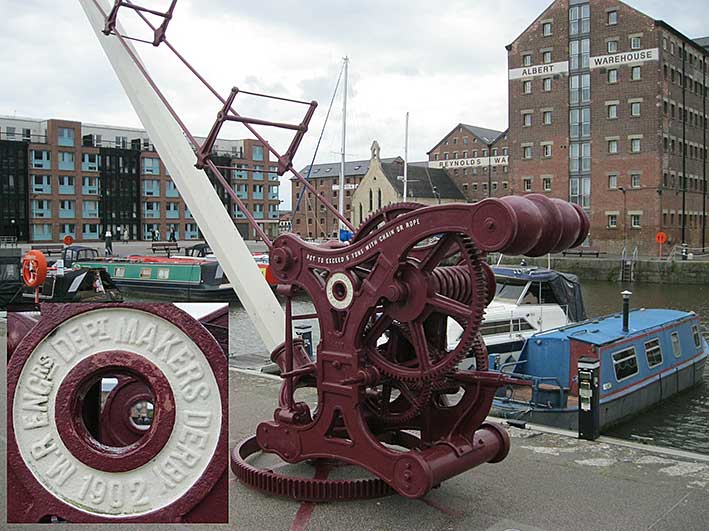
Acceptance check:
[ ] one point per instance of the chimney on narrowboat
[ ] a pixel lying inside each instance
(626, 310)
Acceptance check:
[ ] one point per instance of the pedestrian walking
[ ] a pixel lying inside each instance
(173, 237)
(152, 234)
(125, 234)
(157, 234)
(108, 241)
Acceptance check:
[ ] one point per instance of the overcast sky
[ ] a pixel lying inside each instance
(444, 62)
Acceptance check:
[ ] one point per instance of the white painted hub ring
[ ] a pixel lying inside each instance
(339, 280)
(174, 469)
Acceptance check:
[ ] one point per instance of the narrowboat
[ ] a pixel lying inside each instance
(658, 354)
(202, 250)
(179, 278)
(84, 284)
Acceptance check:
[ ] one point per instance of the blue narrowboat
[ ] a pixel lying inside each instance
(661, 353)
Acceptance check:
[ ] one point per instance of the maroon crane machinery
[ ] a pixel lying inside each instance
(390, 396)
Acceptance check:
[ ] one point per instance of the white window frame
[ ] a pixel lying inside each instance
(657, 346)
(616, 362)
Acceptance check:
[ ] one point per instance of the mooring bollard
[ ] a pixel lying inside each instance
(158, 450)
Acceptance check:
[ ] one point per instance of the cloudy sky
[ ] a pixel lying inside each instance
(444, 62)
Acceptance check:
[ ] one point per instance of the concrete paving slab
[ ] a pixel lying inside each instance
(548, 482)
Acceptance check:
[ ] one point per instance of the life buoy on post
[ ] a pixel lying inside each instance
(34, 268)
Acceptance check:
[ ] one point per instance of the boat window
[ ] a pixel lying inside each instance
(119, 272)
(509, 290)
(146, 272)
(163, 273)
(697, 337)
(505, 327)
(676, 348)
(625, 363)
(653, 351)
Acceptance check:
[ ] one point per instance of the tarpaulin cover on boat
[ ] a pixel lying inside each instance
(565, 287)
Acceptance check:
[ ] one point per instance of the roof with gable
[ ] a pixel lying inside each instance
(422, 180)
(485, 135)
(332, 169)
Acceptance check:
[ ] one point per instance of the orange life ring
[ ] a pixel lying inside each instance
(34, 268)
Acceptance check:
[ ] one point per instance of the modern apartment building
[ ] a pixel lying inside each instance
(607, 108)
(80, 179)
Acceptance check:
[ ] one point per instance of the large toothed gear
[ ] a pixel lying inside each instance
(458, 292)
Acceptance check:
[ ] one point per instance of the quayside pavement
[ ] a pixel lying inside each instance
(549, 481)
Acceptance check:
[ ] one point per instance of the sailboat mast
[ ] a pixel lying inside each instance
(341, 205)
(406, 156)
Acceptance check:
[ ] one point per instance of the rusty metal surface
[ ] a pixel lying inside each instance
(385, 368)
(48, 449)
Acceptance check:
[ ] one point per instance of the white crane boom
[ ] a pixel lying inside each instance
(194, 186)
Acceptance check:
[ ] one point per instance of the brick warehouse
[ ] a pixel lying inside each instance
(608, 109)
(64, 178)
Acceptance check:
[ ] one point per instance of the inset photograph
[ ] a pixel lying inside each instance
(117, 413)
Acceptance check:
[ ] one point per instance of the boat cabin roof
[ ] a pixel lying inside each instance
(528, 273)
(610, 328)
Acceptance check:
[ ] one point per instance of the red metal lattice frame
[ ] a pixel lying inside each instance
(227, 113)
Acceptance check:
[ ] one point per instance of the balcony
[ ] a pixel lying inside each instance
(88, 165)
(151, 214)
(171, 190)
(172, 214)
(258, 214)
(239, 215)
(67, 189)
(41, 232)
(89, 189)
(65, 137)
(41, 160)
(41, 212)
(151, 188)
(191, 234)
(90, 232)
(90, 211)
(257, 195)
(66, 165)
(44, 188)
(67, 213)
(272, 214)
(273, 196)
(67, 232)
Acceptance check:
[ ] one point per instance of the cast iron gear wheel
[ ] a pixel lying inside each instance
(300, 488)
(431, 365)
(413, 396)
(382, 215)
